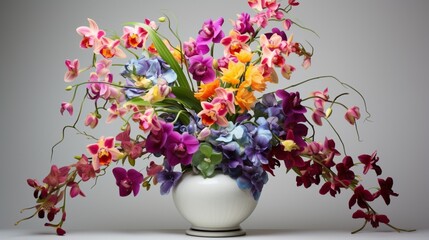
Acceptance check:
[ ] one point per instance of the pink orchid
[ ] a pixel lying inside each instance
(103, 67)
(56, 176)
(99, 84)
(352, 115)
(210, 115)
(91, 35)
(149, 121)
(317, 116)
(256, 4)
(91, 120)
(153, 169)
(293, 2)
(272, 57)
(115, 112)
(261, 19)
(287, 71)
(72, 70)
(272, 5)
(65, 106)
(109, 48)
(84, 169)
(75, 190)
(321, 95)
(103, 152)
(287, 23)
(307, 62)
(131, 148)
(134, 37)
(234, 43)
(274, 42)
(226, 101)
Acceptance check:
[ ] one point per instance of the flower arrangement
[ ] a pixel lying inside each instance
(202, 105)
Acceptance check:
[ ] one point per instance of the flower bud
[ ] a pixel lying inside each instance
(91, 120)
(65, 106)
(68, 88)
(161, 19)
(328, 112)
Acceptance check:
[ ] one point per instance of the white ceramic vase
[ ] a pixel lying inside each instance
(214, 206)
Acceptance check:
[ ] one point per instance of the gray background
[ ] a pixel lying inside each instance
(380, 47)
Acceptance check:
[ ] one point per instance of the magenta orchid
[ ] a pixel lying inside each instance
(352, 115)
(72, 70)
(127, 181)
(180, 148)
(65, 106)
(202, 68)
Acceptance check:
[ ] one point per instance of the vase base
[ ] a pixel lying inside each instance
(215, 233)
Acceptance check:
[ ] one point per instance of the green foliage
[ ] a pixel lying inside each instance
(206, 160)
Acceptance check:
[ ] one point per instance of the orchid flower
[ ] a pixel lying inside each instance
(226, 101)
(65, 106)
(134, 37)
(115, 112)
(109, 48)
(210, 115)
(103, 152)
(72, 70)
(90, 34)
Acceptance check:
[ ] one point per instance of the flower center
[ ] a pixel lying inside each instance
(104, 156)
(208, 118)
(207, 31)
(180, 150)
(107, 52)
(133, 40)
(235, 48)
(200, 69)
(126, 183)
(86, 41)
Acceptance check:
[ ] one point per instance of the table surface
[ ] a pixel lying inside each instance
(180, 234)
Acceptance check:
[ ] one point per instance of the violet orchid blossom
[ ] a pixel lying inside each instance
(127, 181)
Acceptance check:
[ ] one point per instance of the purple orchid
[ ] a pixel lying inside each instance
(127, 181)
(168, 179)
(277, 31)
(243, 24)
(180, 148)
(291, 103)
(211, 31)
(202, 68)
(156, 140)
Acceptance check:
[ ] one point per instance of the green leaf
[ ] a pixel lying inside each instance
(206, 149)
(166, 55)
(187, 96)
(216, 158)
(197, 158)
(132, 161)
(139, 102)
(210, 170)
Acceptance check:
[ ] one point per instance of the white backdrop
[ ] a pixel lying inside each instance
(380, 47)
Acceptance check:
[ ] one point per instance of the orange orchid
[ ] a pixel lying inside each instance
(207, 90)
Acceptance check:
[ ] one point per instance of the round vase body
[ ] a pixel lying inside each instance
(214, 206)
